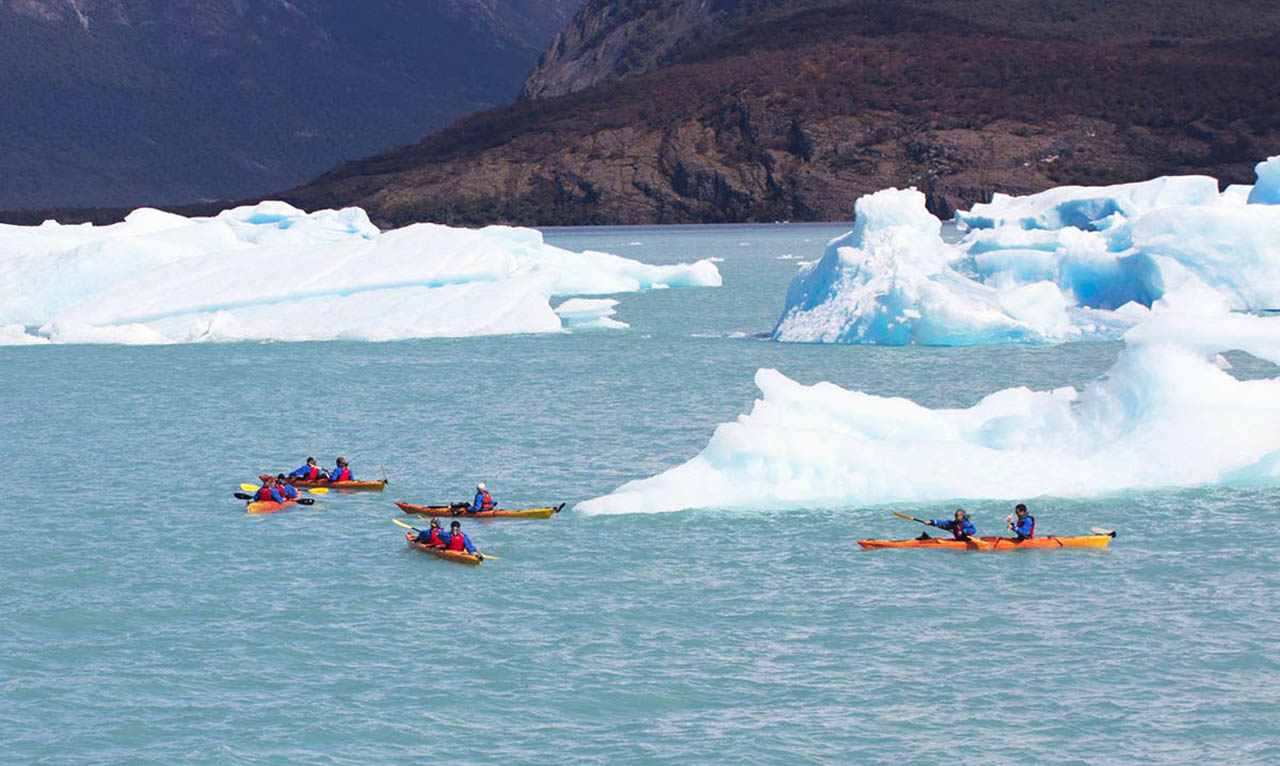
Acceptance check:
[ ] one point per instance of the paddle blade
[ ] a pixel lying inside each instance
(306, 501)
(242, 496)
(902, 515)
(318, 491)
(400, 523)
(250, 487)
(488, 556)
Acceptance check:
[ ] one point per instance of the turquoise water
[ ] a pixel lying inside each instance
(144, 618)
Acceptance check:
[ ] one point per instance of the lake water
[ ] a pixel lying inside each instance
(145, 618)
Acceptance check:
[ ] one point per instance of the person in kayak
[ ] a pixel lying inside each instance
(432, 536)
(310, 471)
(483, 500)
(960, 527)
(455, 540)
(342, 472)
(268, 492)
(1024, 526)
(287, 490)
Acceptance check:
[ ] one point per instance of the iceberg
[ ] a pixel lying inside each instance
(273, 272)
(1074, 263)
(1164, 415)
(1267, 190)
(1089, 207)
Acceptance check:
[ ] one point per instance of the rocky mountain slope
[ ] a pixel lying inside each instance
(608, 40)
(133, 101)
(795, 117)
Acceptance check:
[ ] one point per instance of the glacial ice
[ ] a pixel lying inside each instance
(1164, 415)
(272, 272)
(1267, 190)
(1073, 263)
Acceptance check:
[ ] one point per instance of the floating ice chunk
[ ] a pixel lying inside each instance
(1267, 190)
(1088, 207)
(582, 313)
(891, 281)
(271, 271)
(1163, 415)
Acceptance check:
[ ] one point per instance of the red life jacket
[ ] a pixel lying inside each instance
(342, 475)
(263, 494)
(314, 473)
(486, 502)
(456, 543)
(434, 540)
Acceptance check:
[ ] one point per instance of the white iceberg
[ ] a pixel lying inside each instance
(1068, 264)
(1089, 207)
(1164, 415)
(1267, 190)
(272, 272)
(894, 281)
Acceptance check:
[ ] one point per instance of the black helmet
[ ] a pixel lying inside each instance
(456, 525)
(1020, 508)
(435, 522)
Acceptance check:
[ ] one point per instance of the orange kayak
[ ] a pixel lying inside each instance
(268, 506)
(995, 543)
(497, 513)
(347, 486)
(460, 557)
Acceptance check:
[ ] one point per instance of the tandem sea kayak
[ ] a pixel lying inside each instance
(995, 543)
(459, 557)
(268, 506)
(497, 513)
(345, 486)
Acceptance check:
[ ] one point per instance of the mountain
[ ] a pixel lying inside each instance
(608, 40)
(117, 102)
(796, 116)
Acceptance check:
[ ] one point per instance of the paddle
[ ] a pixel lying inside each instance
(299, 501)
(400, 523)
(314, 491)
(972, 540)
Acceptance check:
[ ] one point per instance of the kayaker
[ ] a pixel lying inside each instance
(433, 535)
(1024, 527)
(287, 490)
(483, 500)
(342, 472)
(268, 491)
(960, 527)
(310, 471)
(455, 540)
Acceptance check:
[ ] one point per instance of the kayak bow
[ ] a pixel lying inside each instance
(497, 513)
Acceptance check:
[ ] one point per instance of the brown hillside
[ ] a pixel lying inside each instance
(795, 119)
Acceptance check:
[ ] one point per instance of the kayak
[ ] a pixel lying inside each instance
(268, 506)
(349, 486)
(460, 557)
(995, 543)
(497, 513)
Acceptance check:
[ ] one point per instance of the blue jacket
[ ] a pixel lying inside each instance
(466, 541)
(304, 471)
(288, 491)
(478, 503)
(337, 471)
(966, 527)
(1024, 527)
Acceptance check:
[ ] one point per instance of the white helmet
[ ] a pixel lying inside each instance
(481, 487)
